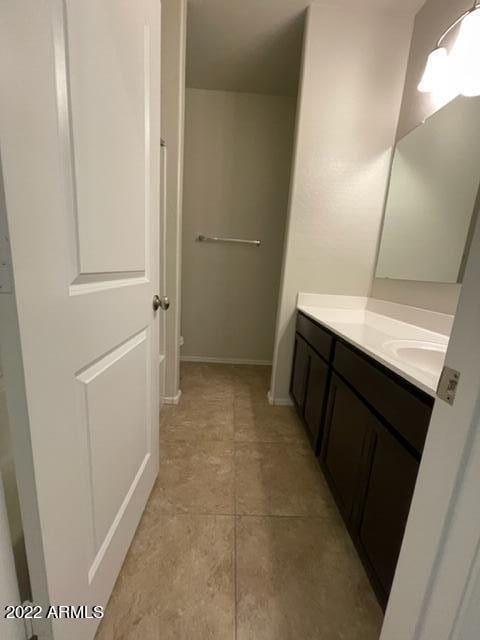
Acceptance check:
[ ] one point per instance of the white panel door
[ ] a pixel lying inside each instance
(80, 135)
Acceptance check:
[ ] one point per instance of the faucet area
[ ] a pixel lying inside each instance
(410, 342)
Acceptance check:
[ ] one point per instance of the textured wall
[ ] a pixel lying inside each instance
(352, 81)
(237, 169)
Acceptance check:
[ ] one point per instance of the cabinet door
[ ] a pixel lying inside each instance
(315, 396)
(343, 451)
(300, 372)
(387, 504)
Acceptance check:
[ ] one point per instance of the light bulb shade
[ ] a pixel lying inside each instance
(465, 55)
(437, 71)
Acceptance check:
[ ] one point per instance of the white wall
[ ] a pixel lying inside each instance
(431, 20)
(352, 81)
(237, 170)
(174, 15)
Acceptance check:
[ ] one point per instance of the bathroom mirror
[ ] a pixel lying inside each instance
(433, 197)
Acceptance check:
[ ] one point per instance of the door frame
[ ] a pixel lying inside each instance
(440, 558)
(174, 36)
(9, 591)
(15, 392)
(163, 290)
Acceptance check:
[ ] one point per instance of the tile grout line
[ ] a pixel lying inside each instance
(235, 585)
(235, 573)
(214, 514)
(236, 444)
(311, 519)
(290, 516)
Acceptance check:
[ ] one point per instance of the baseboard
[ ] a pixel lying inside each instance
(173, 399)
(279, 402)
(264, 363)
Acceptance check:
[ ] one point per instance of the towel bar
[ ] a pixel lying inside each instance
(202, 238)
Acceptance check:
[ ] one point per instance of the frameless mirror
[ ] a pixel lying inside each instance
(433, 197)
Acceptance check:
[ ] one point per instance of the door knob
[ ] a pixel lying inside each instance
(160, 303)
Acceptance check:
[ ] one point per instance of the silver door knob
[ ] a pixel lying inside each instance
(160, 303)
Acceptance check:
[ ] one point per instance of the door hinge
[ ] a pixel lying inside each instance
(448, 385)
(5, 265)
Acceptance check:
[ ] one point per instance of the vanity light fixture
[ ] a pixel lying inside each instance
(457, 72)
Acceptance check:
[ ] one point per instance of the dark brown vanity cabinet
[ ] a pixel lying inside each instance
(298, 385)
(370, 427)
(345, 440)
(384, 513)
(315, 396)
(372, 476)
(310, 376)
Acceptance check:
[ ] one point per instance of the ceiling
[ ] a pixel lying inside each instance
(253, 45)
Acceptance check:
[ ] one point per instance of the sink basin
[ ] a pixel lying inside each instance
(426, 356)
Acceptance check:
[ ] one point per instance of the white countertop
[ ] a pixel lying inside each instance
(414, 353)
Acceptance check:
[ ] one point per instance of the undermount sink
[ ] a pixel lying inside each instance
(427, 356)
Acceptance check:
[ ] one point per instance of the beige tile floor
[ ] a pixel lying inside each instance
(240, 538)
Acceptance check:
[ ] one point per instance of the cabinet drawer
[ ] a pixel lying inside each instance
(317, 337)
(401, 408)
